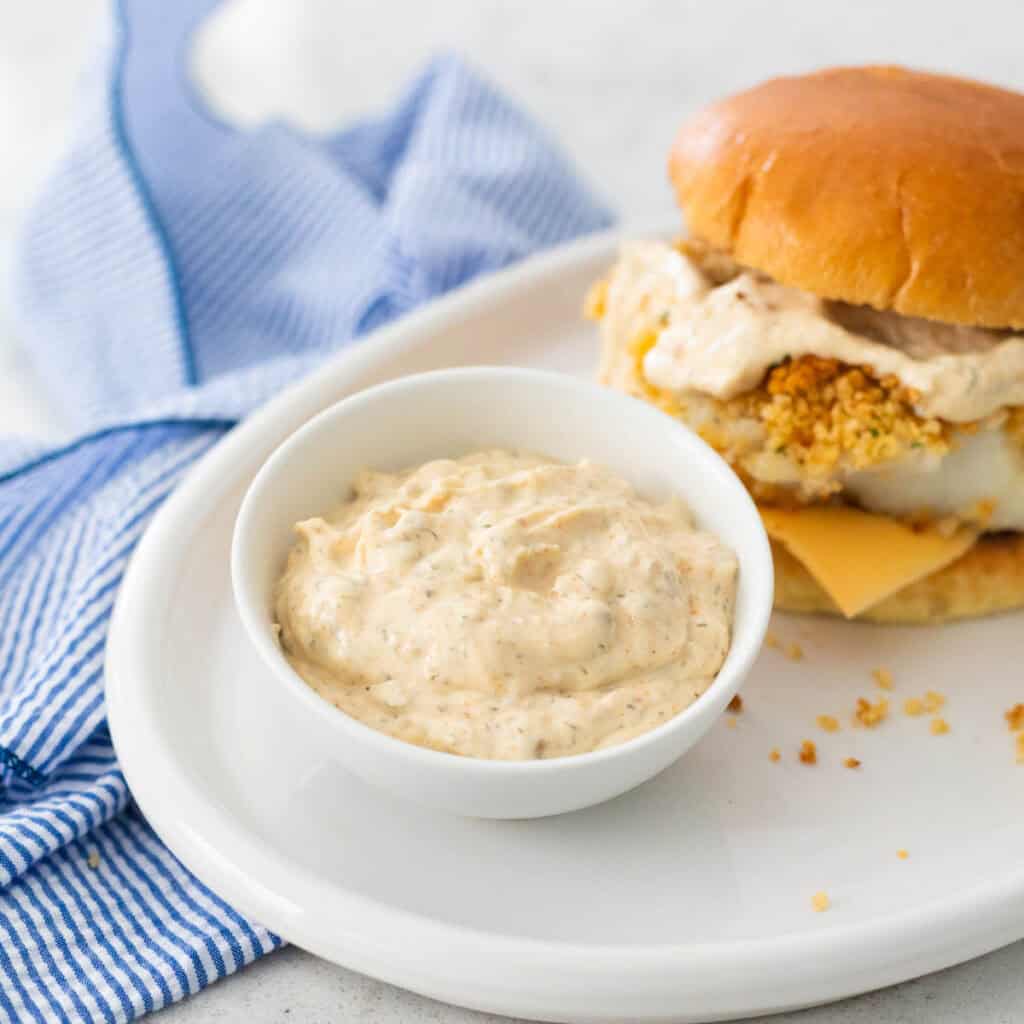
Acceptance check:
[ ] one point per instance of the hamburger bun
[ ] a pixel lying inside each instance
(876, 185)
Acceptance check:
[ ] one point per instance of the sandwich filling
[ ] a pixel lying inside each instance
(723, 337)
(813, 400)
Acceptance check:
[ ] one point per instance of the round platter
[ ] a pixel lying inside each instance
(688, 899)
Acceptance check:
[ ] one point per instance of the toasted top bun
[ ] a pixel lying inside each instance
(877, 185)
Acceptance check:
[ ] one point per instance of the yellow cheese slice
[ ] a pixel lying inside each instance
(858, 558)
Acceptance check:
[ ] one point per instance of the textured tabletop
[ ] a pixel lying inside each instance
(611, 80)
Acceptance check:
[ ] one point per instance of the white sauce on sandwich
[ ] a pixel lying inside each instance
(721, 340)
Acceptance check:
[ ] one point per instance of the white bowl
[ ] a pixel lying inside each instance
(449, 413)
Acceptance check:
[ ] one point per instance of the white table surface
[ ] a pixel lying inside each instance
(611, 80)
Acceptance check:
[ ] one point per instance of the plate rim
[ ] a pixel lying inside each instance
(981, 918)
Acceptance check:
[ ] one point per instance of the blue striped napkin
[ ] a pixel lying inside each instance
(173, 275)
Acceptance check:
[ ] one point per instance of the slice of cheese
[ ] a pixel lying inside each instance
(858, 558)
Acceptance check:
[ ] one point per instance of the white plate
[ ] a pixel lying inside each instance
(688, 899)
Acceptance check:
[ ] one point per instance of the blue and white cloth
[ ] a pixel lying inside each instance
(174, 274)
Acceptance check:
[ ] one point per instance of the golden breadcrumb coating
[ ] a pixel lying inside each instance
(820, 412)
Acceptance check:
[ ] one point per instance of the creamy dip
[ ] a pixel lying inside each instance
(505, 606)
(721, 339)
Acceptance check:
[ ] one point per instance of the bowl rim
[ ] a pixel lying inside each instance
(759, 578)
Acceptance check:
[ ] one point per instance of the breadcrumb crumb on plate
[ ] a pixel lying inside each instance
(1015, 718)
(939, 727)
(883, 678)
(870, 715)
(828, 722)
(808, 752)
(902, 854)
(852, 762)
(775, 755)
(820, 902)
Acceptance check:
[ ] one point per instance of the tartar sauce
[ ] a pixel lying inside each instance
(505, 606)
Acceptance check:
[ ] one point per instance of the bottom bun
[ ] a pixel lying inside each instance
(986, 580)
